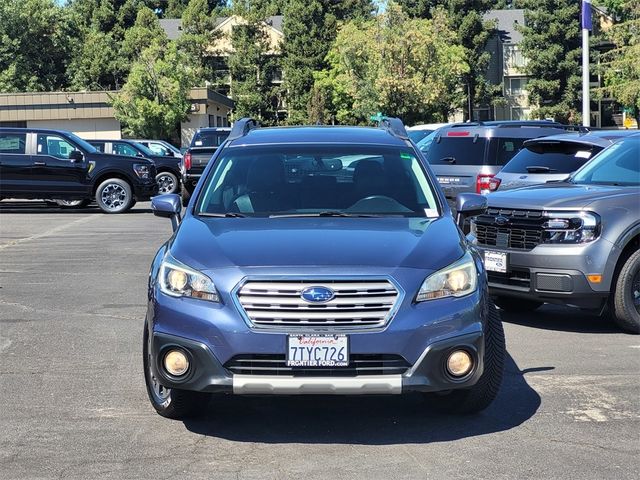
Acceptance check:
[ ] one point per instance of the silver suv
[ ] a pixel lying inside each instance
(466, 156)
(572, 243)
(554, 158)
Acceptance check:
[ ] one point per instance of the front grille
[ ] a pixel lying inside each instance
(359, 364)
(357, 303)
(515, 278)
(513, 229)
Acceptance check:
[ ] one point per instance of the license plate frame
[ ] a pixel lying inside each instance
(496, 261)
(314, 350)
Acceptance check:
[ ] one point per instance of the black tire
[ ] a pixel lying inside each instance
(169, 402)
(479, 396)
(509, 304)
(186, 195)
(114, 195)
(626, 295)
(72, 203)
(167, 183)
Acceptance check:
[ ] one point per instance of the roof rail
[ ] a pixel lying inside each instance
(242, 127)
(394, 126)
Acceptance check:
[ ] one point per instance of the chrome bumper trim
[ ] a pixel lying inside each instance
(286, 385)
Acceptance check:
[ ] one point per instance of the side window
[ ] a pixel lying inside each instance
(54, 145)
(124, 149)
(158, 149)
(506, 148)
(13, 143)
(98, 146)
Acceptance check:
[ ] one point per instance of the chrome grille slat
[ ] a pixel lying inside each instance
(357, 303)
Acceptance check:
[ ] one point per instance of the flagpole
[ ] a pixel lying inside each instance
(586, 26)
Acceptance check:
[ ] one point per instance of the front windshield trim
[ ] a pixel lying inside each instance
(82, 143)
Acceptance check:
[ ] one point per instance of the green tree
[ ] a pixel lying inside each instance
(473, 33)
(309, 28)
(403, 67)
(252, 65)
(145, 32)
(551, 43)
(36, 39)
(155, 98)
(621, 66)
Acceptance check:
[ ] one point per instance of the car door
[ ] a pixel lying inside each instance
(15, 164)
(55, 172)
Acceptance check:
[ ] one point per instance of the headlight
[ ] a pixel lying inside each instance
(178, 280)
(142, 170)
(457, 280)
(571, 227)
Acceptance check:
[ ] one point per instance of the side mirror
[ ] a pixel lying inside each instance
(168, 206)
(76, 156)
(469, 205)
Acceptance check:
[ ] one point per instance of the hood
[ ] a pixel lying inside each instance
(555, 196)
(208, 243)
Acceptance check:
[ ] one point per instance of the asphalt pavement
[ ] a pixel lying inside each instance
(73, 403)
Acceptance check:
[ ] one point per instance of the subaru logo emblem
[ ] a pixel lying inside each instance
(502, 221)
(317, 294)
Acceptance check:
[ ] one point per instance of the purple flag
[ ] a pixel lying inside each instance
(586, 15)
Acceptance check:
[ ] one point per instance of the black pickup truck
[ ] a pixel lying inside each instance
(203, 145)
(58, 165)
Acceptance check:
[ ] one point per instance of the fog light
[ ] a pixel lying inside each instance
(176, 363)
(459, 363)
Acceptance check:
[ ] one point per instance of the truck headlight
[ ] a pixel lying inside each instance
(142, 170)
(178, 280)
(571, 227)
(456, 280)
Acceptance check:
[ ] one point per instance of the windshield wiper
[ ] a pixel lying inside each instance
(222, 215)
(539, 169)
(328, 213)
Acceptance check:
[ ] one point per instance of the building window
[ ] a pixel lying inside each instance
(513, 57)
(518, 113)
(517, 86)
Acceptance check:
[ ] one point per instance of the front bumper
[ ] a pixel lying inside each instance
(144, 191)
(428, 374)
(214, 335)
(556, 274)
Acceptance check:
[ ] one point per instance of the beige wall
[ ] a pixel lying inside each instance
(222, 45)
(89, 128)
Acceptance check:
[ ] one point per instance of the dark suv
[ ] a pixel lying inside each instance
(319, 260)
(54, 164)
(167, 167)
(203, 145)
(466, 156)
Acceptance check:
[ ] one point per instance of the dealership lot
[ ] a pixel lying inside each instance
(72, 303)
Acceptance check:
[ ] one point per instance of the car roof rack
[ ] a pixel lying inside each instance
(394, 126)
(242, 127)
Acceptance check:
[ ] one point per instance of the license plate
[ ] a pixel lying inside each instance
(495, 261)
(317, 351)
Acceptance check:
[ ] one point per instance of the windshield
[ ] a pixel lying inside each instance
(209, 138)
(457, 150)
(86, 146)
(145, 150)
(318, 180)
(556, 157)
(426, 142)
(417, 135)
(617, 165)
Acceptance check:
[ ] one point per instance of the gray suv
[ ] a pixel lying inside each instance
(575, 242)
(466, 156)
(554, 158)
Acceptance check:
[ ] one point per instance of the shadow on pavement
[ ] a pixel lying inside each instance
(559, 318)
(43, 208)
(379, 420)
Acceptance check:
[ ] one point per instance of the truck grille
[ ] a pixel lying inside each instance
(357, 303)
(514, 229)
(359, 364)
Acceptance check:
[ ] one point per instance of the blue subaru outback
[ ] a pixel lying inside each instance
(319, 260)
